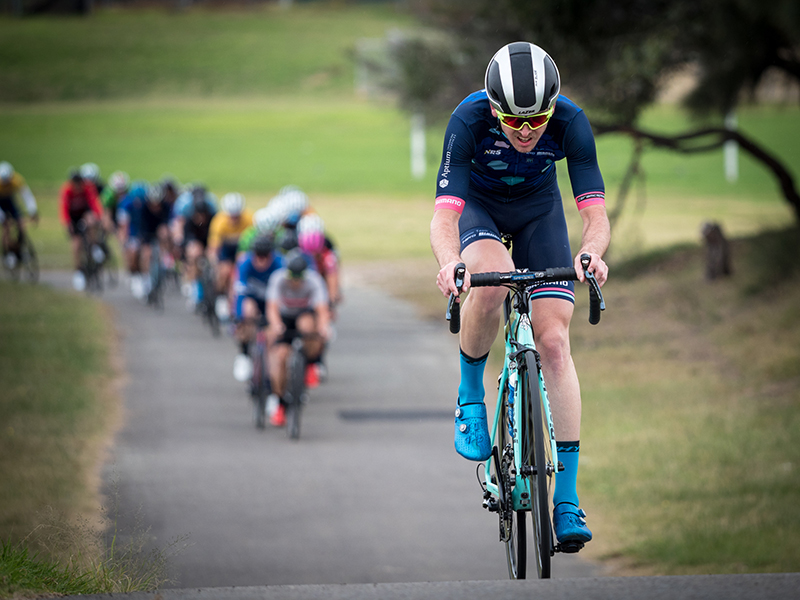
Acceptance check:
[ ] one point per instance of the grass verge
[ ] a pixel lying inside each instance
(691, 396)
(56, 403)
(58, 406)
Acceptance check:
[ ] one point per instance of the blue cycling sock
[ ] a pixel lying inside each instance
(470, 391)
(566, 480)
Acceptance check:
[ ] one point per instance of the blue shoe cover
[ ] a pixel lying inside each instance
(472, 433)
(569, 522)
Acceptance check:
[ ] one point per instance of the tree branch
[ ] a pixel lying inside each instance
(684, 144)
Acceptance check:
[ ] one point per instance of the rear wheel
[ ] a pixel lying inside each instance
(512, 523)
(516, 548)
(541, 459)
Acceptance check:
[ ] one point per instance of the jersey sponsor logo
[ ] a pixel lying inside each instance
(444, 183)
(478, 234)
(493, 152)
(447, 155)
(451, 202)
(590, 199)
(544, 285)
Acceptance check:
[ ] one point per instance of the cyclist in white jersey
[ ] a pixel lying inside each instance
(297, 301)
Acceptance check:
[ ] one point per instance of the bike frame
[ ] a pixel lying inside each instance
(518, 334)
(510, 489)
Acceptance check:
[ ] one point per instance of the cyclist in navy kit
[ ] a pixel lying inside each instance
(498, 177)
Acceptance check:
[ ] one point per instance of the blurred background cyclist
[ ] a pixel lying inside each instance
(12, 184)
(80, 212)
(253, 272)
(223, 238)
(297, 301)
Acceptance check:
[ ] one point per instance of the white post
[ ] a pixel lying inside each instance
(731, 150)
(418, 146)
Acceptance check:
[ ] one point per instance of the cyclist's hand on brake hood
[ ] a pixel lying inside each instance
(445, 280)
(597, 266)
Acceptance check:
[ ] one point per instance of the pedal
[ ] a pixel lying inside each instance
(569, 547)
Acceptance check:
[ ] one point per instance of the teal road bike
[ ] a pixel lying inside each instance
(518, 478)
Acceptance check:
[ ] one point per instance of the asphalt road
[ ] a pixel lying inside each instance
(373, 492)
(761, 586)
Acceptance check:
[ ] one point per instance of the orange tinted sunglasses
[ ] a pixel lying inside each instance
(516, 122)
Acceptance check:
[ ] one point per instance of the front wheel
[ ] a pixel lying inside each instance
(259, 386)
(111, 267)
(541, 459)
(296, 367)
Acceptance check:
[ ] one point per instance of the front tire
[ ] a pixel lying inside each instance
(30, 262)
(295, 388)
(542, 461)
(259, 383)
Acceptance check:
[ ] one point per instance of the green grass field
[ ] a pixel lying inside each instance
(681, 471)
(691, 393)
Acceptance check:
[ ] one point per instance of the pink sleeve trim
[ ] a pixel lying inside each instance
(451, 202)
(590, 199)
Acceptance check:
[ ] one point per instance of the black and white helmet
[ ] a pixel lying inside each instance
(522, 79)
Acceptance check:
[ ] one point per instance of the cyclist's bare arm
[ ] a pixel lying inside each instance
(446, 248)
(595, 239)
(323, 319)
(274, 319)
(30, 203)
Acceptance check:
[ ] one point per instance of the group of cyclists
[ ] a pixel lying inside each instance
(274, 267)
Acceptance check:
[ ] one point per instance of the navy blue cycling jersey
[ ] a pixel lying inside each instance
(499, 190)
(478, 160)
(252, 283)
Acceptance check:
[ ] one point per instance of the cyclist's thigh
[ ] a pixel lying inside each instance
(227, 251)
(194, 250)
(481, 245)
(487, 255)
(252, 308)
(544, 243)
(306, 322)
(476, 224)
(9, 208)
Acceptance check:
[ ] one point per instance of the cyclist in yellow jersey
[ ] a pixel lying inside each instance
(223, 238)
(11, 185)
